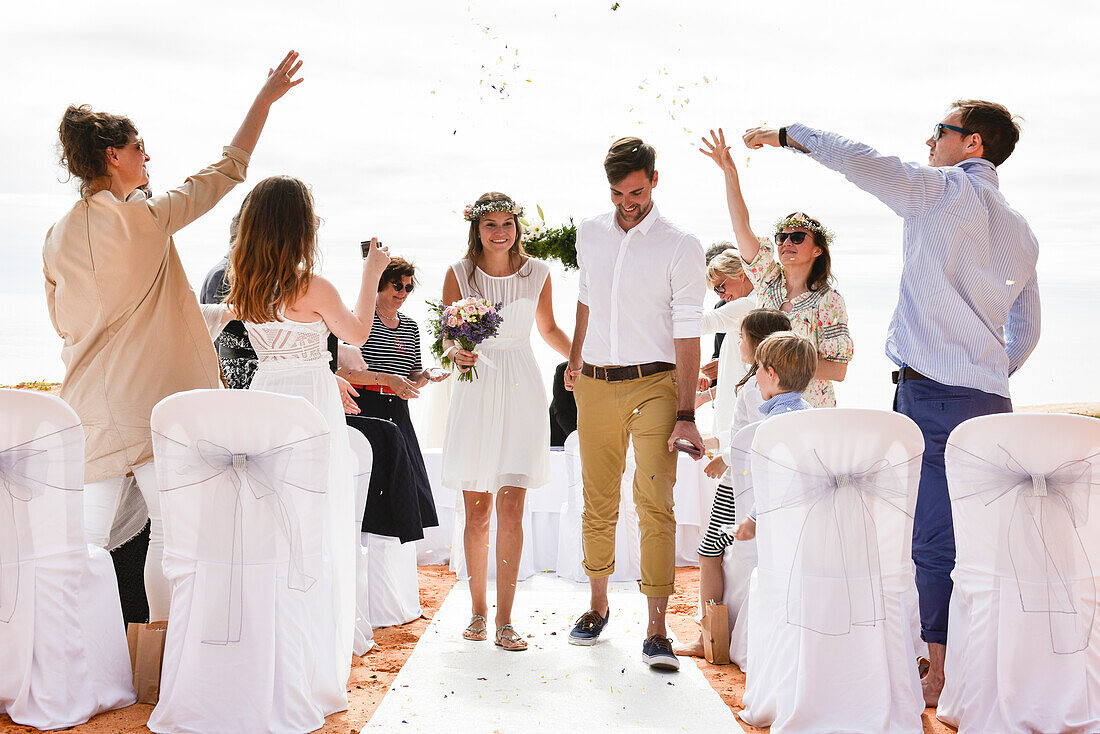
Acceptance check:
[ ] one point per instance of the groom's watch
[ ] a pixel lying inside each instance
(685, 415)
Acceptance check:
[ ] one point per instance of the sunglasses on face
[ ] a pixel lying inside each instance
(407, 287)
(937, 132)
(797, 238)
(720, 289)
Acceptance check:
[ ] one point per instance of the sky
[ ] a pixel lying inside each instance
(409, 111)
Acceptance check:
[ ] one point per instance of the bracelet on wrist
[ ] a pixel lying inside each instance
(783, 137)
(685, 415)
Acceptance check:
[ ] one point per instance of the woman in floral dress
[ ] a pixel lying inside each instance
(799, 283)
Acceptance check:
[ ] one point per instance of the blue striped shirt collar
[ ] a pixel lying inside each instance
(981, 167)
(784, 402)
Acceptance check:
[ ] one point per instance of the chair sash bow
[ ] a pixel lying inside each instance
(270, 475)
(26, 472)
(1048, 558)
(835, 581)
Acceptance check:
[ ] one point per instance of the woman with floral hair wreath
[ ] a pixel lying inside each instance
(498, 426)
(799, 283)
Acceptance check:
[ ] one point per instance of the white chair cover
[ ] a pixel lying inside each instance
(740, 558)
(63, 654)
(363, 455)
(250, 644)
(394, 583)
(1023, 644)
(830, 640)
(628, 552)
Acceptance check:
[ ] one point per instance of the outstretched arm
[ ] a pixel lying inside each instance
(907, 188)
(280, 80)
(717, 150)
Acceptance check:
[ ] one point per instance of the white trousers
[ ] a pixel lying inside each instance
(101, 501)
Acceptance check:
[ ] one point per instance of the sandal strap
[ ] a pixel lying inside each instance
(508, 632)
(474, 621)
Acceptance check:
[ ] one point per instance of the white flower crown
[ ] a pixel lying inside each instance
(801, 221)
(474, 212)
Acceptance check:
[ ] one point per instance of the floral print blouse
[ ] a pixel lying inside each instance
(818, 315)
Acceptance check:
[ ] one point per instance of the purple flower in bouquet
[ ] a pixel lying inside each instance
(467, 323)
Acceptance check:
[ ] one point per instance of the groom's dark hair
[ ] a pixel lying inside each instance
(627, 155)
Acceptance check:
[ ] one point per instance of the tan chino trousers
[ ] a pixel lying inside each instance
(609, 414)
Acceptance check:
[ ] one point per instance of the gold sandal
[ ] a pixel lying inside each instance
(476, 630)
(509, 639)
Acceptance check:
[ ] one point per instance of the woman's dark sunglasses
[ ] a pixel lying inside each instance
(407, 287)
(796, 237)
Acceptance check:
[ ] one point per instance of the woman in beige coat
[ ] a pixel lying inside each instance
(117, 292)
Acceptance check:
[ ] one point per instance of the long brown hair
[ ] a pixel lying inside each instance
(516, 256)
(84, 137)
(273, 256)
(757, 326)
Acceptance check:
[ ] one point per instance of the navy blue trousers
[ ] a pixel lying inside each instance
(937, 409)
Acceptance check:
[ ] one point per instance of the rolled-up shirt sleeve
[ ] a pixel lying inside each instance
(175, 209)
(907, 188)
(687, 280)
(1022, 330)
(834, 341)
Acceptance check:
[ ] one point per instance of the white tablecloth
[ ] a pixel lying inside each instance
(692, 495)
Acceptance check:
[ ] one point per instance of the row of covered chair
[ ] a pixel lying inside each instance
(823, 603)
(243, 524)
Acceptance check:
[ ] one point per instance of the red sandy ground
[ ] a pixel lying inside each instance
(372, 675)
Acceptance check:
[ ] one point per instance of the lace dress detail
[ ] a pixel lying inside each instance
(498, 426)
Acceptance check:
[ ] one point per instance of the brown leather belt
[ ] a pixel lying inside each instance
(630, 372)
(907, 373)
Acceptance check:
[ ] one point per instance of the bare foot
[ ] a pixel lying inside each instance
(692, 651)
(932, 686)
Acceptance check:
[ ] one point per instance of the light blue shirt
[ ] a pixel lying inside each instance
(968, 306)
(784, 402)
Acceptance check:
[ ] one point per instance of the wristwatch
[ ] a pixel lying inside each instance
(783, 137)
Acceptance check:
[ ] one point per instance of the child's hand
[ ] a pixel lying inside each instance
(716, 468)
(746, 530)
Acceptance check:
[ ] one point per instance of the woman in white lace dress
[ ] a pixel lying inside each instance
(498, 428)
(288, 312)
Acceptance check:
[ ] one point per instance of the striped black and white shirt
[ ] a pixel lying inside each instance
(393, 351)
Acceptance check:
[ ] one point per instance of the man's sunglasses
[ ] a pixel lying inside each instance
(407, 287)
(797, 238)
(937, 132)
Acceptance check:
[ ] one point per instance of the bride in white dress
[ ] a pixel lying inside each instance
(288, 312)
(497, 440)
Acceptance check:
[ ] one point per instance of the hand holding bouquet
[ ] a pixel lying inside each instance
(467, 323)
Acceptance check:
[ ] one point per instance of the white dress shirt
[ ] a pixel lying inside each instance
(643, 288)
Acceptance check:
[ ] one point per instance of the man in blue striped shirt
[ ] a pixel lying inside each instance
(968, 308)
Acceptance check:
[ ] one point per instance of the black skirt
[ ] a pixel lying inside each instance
(399, 501)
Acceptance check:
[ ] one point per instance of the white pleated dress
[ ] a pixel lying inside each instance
(498, 426)
(294, 360)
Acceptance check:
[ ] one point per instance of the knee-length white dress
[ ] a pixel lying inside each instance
(498, 426)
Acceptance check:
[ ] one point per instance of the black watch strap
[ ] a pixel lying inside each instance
(783, 137)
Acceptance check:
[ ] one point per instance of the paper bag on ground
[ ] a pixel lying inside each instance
(716, 633)
(146, 642)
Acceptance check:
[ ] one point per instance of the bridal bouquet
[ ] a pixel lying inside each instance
(467, 323)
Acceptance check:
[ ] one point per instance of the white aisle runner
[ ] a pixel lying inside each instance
(452, 685)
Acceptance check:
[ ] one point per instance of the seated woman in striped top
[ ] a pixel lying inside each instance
(399, 502)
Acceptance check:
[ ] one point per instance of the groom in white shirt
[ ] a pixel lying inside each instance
(634, 367)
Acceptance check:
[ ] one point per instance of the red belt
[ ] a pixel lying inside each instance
(376, 388)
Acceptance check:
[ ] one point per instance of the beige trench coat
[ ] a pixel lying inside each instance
(118, 296)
